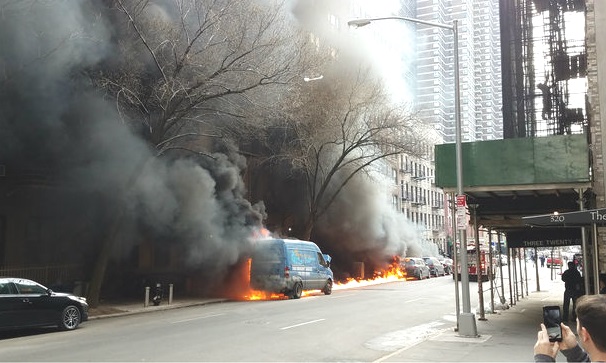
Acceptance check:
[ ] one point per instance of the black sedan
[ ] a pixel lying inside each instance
(25, 303)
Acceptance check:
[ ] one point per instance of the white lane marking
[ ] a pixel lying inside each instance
(400, 340)
(297, 325)
(196, 318)
(413, 300)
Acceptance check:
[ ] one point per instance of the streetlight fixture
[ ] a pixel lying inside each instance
(466, 319)
(310, 79)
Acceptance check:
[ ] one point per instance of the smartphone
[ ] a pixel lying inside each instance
(552, 320)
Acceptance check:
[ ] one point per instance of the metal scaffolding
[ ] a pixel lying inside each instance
(544, 67)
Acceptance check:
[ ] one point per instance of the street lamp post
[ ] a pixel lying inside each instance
(466, 319)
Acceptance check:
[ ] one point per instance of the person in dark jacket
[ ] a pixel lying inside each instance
(573, 288)
(591, 320)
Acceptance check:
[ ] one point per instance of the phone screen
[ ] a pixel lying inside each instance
(552, 320)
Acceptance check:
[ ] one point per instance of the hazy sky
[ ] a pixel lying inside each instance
(389, 42)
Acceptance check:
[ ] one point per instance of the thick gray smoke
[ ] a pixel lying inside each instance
(362, 226)
(52, 118)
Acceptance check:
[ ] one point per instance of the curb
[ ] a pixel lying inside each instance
(143, 310)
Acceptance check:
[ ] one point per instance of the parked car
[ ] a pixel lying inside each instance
(555, 262)
(415, 268)
(435, 267)
(25, 303)
(448, 265)
(289, 266)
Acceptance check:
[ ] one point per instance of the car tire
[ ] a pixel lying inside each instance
(70, 318)
(327, 288)
(297, 291)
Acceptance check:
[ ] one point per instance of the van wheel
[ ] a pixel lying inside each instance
(297, 291)
(328, 288)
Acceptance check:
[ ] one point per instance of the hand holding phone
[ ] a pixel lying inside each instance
(552, 319)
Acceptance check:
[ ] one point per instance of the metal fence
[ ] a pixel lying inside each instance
(51, 276)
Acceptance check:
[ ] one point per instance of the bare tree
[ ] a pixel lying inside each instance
(334, 129)
(186, 66)
(185, 70)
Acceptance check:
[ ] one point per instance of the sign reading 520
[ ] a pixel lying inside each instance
(556, 218)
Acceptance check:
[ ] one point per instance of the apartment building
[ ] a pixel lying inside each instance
(479, 68)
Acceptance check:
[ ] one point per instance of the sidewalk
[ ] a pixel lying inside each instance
(113, 309)
(506, 336)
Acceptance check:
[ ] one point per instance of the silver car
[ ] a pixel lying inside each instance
(415, 268)
(435, 267)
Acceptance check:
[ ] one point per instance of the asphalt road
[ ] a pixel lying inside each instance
(362, 324)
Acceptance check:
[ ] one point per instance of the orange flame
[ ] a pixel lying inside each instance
(393, 272)
(261, 233)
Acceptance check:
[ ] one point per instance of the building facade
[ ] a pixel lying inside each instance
(479, 68)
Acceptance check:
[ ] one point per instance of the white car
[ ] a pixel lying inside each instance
(503, 260)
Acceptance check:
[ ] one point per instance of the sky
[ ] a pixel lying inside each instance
(388, 42)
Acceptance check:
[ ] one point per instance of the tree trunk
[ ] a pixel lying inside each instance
(309, 226)
(94, 289)
(98, 275)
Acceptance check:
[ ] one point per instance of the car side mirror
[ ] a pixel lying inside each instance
(49, 292)
(327, 258)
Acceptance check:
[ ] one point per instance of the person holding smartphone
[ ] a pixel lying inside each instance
(591, 320)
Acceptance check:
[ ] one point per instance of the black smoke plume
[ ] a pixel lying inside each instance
(53, 120)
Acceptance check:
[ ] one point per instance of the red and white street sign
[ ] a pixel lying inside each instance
(461, 201)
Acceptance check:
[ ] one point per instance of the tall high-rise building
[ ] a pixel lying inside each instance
(479, 68)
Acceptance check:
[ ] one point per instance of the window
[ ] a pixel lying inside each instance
(30, 287)
(5, 288)
(321, 260)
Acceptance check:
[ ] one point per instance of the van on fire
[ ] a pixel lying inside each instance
(288, 266)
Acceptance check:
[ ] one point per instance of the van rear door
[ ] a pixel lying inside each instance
(267, 266)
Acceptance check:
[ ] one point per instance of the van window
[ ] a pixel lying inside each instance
(321, 260)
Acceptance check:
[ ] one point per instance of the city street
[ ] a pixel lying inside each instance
(361, 324)
(397, 321)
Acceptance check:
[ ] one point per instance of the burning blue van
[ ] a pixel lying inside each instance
(288, 267)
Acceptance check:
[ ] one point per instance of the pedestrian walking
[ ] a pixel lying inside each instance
(591, 319)
(542, 258)
(573, 288)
